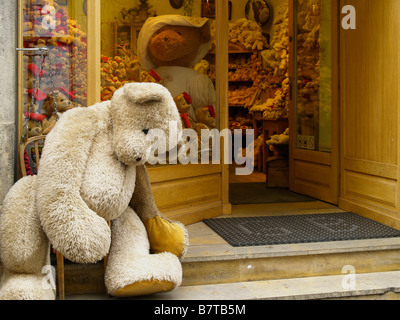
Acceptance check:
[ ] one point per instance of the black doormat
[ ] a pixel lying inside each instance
(260, 231)
(257, 192)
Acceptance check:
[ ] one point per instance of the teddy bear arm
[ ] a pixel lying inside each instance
(71, 226)
(164, 235)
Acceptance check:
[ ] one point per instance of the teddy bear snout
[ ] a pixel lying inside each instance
(146, 131)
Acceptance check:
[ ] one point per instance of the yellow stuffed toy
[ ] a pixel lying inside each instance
(183, 103)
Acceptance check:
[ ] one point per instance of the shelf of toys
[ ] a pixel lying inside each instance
(259, 85)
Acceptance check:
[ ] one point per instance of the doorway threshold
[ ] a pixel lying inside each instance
(211, 260)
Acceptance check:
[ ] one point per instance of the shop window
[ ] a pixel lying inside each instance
(127, 28)
(54, 80)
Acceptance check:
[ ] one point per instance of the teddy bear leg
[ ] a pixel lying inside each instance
(131, 269)
(24, 248)
(164, 235)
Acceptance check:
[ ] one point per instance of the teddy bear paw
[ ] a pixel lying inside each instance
(143, 275)
(166, 236)
(144, 288)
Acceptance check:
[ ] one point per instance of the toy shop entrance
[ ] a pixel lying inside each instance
(291, 102)
(275, 73)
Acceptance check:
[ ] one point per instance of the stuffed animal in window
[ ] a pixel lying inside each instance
(92, 172)
(173, 45)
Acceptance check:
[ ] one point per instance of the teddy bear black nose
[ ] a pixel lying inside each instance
(139, 159)
(145, 131)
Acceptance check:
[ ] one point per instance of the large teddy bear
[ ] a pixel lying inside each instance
(172, 45)
(92, 172)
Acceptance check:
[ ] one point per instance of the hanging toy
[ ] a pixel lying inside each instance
(28, 168)
(35, 93)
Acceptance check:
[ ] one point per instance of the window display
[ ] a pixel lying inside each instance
(90, 49)
(54, 62)
(148, 43)
(259, 86)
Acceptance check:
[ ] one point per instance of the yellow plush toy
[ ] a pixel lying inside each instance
(150, 76)
(206, 119)
(183, 103)
(206, 115)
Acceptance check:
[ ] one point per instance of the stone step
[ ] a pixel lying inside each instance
(385, 285)
(380, 285)
(222, 263)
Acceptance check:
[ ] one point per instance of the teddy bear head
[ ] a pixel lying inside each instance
(34, 128)
(206, 115)
(141, 112)
(63, 103)
(173, 40)
(183, 102)
(34, 124)
(176, 45)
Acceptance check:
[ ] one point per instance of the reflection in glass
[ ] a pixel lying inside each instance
(313, 95)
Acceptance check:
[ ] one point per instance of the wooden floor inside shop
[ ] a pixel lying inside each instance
(254, 177)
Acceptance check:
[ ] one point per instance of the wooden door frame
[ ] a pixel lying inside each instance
(316, 157)
(379, 200)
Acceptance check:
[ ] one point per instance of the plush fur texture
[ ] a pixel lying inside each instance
(91, 171)
(130, 260)
(23, 286)
(18, 224)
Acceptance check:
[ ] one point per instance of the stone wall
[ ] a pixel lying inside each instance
(8, 94)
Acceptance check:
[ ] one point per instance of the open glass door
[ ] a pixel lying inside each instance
(313, 120)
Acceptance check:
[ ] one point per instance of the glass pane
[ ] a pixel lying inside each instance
(56, 81)
(127, 28)
(314, 72)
